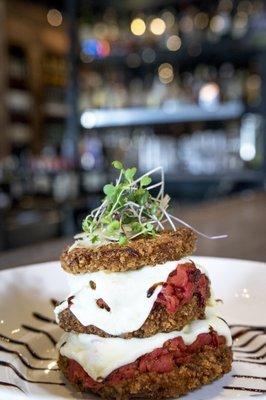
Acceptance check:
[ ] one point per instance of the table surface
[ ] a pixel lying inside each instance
(242, 218)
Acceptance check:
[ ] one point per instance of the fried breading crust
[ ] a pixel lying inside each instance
(166, 246)
(159, 320)
(204, 367)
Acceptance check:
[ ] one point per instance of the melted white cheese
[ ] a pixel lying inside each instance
(124, 292)
(101, 356)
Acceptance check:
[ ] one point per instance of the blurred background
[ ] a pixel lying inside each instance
(181, 84)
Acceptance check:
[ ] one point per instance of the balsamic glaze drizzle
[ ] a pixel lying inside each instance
(250, 351)
(2, 383)
(246, 357)
(3, 349)
(152, 289)
(26, 345)
(37, 330)
(251, 328)
(23, 360)
(249, 341)
(248, 361)
(250, 377)
(19, 374)
(54, 302)
(245, 389)
(261, 357)
(44, 318)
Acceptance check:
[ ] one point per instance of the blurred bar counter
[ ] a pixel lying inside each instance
(243, 218)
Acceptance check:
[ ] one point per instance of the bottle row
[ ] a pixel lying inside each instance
(205, 85)
(169, 29)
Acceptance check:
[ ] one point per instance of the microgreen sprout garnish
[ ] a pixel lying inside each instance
(130, 210)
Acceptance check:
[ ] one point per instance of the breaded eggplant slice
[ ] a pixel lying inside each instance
(182, 299)
(189, 372)
(159, 320)
(140, 252)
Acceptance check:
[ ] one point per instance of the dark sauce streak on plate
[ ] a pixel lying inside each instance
(244, 330)
(2, 383)
(251, 351)
(244, 389)
(240, 333)
(37, 330)
(247, 329)
(250, 377)
(19, 374)
(43, 318)
(261, 357)
(224, 321)
(70, 300)
(250, 327)
(249, 341)
(23, 360)
(18, 342)
(248, 361)
(54, 302)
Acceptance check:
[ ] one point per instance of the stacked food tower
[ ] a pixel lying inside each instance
(139, 320)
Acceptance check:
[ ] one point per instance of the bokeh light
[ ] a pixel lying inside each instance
(100, 30)
(95, 48)
(186, 24)
(209, 94)
(166, 73)
(245, 6)
(138, 26)
(54, 17)
(218, 24)
(168, 18)
(225, 5)
(88, 119)
(157, 26)
(201, 20)
(240, 24)
(173, 43)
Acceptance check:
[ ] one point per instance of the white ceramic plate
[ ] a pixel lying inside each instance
(26, 318)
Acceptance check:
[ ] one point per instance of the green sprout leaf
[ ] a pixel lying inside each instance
(130, 173)
(136, 227)
(128, 209)
(106, 219)
(141, 196)
(109, 190)
(145, 181)
(117, 165)
(95, 239)
(113, 226)
(154, 209)
(122, 240)
(86, 223)
(149, 227)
